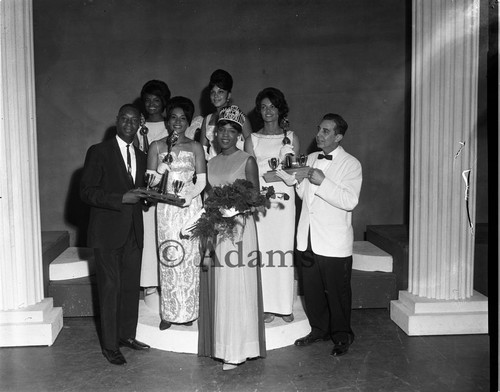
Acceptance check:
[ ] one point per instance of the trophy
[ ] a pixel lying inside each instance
(177, 186)
(273, 163)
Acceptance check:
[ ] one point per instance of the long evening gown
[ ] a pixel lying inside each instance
(276, 232)
(179, 257)
(231, 318)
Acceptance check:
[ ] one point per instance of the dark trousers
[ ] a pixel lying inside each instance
(327, 295)
(118, 275)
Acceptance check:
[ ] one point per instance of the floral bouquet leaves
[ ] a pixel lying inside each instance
(240, 197)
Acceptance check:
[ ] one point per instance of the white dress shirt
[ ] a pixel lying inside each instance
(123, 150)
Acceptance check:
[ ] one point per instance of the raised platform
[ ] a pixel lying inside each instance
(184, 339)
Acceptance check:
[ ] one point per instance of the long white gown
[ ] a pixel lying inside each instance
(276, 232)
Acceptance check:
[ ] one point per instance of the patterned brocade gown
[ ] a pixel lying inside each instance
(179, 258)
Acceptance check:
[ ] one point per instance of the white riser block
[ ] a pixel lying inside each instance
(477, 303)
(73, 263)
(29, 314)
(463, 321)
(32, 334)
(369, 257)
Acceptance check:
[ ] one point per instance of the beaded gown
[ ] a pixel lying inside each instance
(179, 257)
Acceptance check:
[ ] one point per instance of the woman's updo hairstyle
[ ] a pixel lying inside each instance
(183, 103)
(221, 79)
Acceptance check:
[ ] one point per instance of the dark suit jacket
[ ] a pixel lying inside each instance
(104, 181)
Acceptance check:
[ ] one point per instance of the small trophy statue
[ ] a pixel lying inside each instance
(273, 163)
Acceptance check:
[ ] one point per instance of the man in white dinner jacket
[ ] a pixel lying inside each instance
(325, 236)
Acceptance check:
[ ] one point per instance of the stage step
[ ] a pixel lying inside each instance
(373, 289)
(73, 263)
(53, 244)
(77, 297)
(368, 257)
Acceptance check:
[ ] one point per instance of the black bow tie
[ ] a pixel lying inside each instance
(327, 157)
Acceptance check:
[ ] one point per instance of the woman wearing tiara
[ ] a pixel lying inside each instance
(231, 326)
(180, 160)
(220, 86)
(154, 96)
(274, 140)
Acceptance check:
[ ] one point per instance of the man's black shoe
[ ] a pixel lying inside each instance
(310, 339)
(114, 356)
(133, 344)
(339, 349)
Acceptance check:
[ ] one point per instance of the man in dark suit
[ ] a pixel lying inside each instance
(112, 171)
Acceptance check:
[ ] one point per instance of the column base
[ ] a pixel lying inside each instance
(35, 325)
(419, 316)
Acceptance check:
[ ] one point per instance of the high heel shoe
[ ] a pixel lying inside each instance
(288, 318)
(268, 318)
(228, 366)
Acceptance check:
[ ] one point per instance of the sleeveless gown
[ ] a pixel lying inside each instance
(276, 232)
(179, 258)
(231, 324)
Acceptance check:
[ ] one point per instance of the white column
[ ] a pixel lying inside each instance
(26, 318)
(440, 297)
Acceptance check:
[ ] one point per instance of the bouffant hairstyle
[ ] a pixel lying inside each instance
(340, 123)
(221, 79)
(183, 103)
(158, 88)
(276, 97)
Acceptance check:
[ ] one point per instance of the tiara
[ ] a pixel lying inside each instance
(232, 113)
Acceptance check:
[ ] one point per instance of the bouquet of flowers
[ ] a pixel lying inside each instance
(224, 204)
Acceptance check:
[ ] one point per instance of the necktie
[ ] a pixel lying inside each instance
(146, 143)
(327, 157)
(129, 164)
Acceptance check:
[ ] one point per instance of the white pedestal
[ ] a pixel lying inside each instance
(423, 316)
(35, 325)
